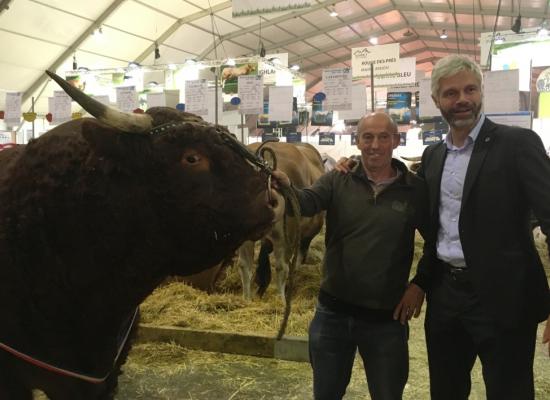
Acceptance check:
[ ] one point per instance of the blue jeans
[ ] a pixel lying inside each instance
(333, 341)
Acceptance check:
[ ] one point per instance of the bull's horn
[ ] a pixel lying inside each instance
(414, 159)
(126, 122)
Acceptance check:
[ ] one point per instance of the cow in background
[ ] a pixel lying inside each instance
(303, 165)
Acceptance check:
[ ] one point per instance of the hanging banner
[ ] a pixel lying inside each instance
(244, 8)
(230, 73)
(126, 98)
(406, 74)
(385, 59)
(195, 96)
(399, 106)
(280, 103)
(251, 94)
(320, 117)
(12, 113)
(337, 84)
(327, 138)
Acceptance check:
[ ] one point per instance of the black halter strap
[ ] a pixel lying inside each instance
(229, 140)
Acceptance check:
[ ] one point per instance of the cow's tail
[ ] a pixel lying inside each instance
(263, 271)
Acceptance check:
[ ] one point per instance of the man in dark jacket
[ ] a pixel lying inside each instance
(372, 214)
(486, 287)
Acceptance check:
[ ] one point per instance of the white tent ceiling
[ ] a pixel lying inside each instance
(36, 35)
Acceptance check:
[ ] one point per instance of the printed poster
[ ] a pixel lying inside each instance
(320, 117)
(399, 106)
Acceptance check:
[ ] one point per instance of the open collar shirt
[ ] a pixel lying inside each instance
(449, 248)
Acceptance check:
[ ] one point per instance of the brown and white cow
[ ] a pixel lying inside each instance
(303, 165)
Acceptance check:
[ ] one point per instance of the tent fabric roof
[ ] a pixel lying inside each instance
(36, 35)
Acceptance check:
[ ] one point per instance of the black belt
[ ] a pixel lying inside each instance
(458, 274)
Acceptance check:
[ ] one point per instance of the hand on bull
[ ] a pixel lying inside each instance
(280, 179)
(345, 165)
(410, 304)
(546, 335)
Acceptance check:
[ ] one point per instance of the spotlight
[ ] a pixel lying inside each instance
(543, 30)
(157, 51)
(443, 34)
(373, 40)
(295, 67)
(516, 28)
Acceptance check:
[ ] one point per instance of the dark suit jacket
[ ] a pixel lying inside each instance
(508, 176)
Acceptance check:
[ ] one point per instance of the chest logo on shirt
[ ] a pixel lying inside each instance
(400, 206)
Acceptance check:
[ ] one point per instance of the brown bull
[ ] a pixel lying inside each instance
(303, 165)
(95, 214)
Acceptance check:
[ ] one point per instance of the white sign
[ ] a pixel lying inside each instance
(251, 94)
(280, 103)
(195, 96)
(12, 114)
(60, 107)
(243, 8)
(501, 91)
(406, 74)
(271, 65)
(126, 98)
(523, 119)
(337, 87)
(384, 58)
(358, 102)
(427, 106)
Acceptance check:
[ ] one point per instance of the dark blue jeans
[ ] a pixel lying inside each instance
(333, 341)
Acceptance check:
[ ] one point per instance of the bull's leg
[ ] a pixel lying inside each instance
(281, 269)
(246, 267)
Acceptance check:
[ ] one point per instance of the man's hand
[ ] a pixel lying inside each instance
(345, 165)
(410, 304)
(280, 179)
(546, 334)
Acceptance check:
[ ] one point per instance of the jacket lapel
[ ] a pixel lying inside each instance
(433, 179)
(481, 146)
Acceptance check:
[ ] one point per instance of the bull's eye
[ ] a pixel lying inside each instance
(195, 160)
(191, 159)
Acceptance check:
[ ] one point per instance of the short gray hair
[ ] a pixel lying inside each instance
(452, 65)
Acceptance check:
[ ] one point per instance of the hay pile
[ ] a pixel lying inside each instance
(177, 304)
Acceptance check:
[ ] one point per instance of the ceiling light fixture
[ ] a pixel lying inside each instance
(333, 13)
(543, 30)
(516, 28)
(231, 62)
(443, 34)
(157, 51)
(373, 40)
(295, 67)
